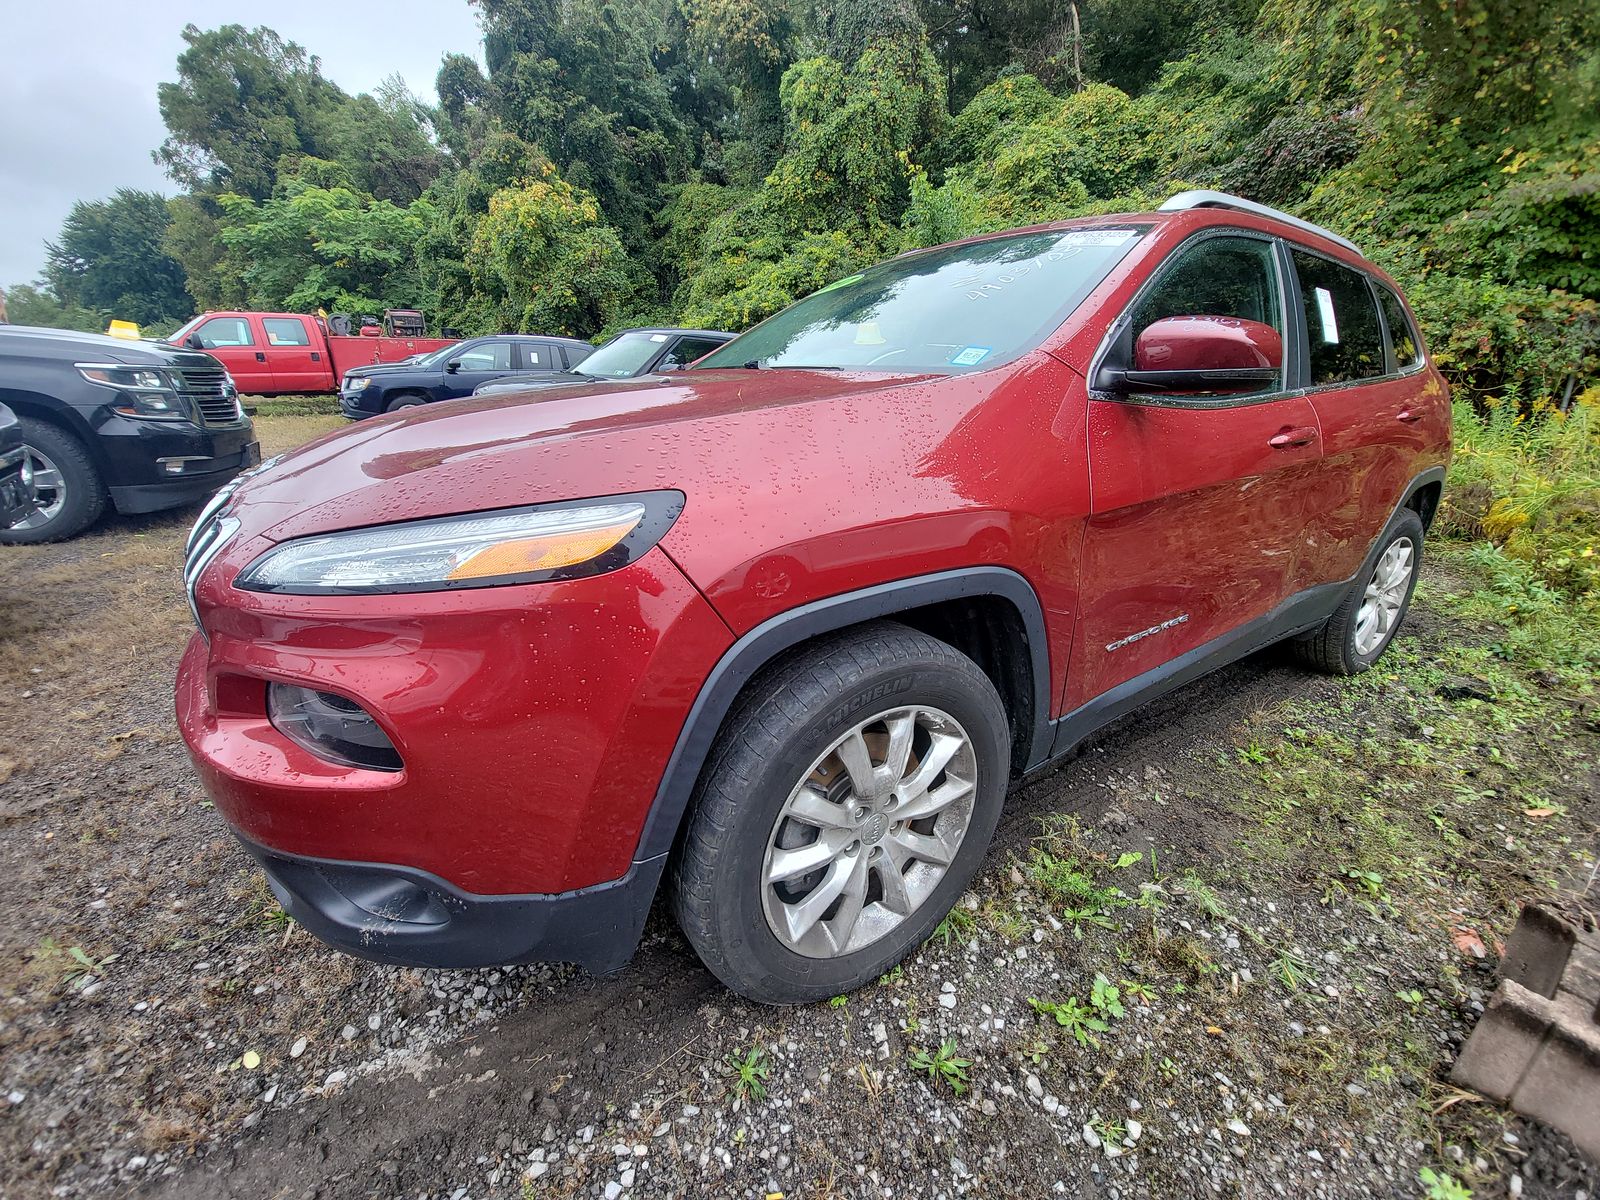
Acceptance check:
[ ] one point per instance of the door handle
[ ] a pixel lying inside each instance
(1290, 438)
(315, 356)
(260, 356)
(1406, 415)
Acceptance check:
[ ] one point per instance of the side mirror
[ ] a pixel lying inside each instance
(453, 365)
(669, 365)
(193, 342)
(1200, 354)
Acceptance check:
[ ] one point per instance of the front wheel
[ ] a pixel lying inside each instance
(1369, 616)
(845, 809)
(67, 492)
(405, 400)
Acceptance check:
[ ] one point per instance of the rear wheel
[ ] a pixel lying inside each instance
(67, 489)
(846, 807)
(1370, 614)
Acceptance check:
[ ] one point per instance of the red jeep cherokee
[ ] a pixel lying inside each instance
(790, 623)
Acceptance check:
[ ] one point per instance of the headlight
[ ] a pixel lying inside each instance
(359, 383)
(520, 545)
(146, 392)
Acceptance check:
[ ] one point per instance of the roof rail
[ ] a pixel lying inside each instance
(1184, 201)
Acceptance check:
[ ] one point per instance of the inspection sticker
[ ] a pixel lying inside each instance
(1098, 237)
(971, 356)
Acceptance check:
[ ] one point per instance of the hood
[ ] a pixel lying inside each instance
(393, 368)
(686, 431)
(71, 346)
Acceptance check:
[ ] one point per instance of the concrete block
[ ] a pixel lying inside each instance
(1506, 1041)
(1538, 949)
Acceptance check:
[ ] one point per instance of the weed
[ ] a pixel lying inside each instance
(892, 976)
(1142, 992)
(838, 1001)
(1438, 1186)
(1110, 1133)
(1292, 971)
(1412, 997)
(1106, 998)
(1080, 919)
(1075, 1016)
(943, 1065)
(1066, 880)
(1205, 899)
(73, 964)
(1008, 924)
(1253, 753)
(1128, 858)
(958, 925)
(750, 1073)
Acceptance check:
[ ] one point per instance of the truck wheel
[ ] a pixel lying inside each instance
(66, 486)
(845, 808)
(1369, 616)
(405, 400)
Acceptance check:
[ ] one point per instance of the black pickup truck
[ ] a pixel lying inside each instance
(138, 425)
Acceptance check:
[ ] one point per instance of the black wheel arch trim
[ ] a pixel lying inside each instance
(763, 644)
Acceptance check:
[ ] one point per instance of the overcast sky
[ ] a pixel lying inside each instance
(78, 115)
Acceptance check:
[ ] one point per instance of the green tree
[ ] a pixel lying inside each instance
(322, 244)
(543, 260)
(243, 99)
(109, 258)
(32, 304)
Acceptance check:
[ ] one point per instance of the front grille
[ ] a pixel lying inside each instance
(210, 534)
(207, 388)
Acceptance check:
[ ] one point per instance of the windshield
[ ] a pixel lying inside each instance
(623, 356)
(176, 337)
(954, 309)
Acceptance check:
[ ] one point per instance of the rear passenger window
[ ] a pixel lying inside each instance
(487, 356)
(535, 356)
(281, 331)
(1345, 340)
(1401, 336)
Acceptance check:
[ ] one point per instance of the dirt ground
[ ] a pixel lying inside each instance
(1231, 949)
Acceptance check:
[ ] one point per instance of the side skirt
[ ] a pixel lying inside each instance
(1298, 614)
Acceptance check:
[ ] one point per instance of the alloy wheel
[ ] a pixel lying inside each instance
(868, 833)
(49, 488)
(1385, 597)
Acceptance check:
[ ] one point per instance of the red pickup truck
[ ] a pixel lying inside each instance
(271, 353)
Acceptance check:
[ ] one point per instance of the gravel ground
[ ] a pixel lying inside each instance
(1298, 950)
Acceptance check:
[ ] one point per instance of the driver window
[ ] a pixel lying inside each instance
(1227, 280)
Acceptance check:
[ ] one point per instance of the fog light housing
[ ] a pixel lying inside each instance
(331, 727)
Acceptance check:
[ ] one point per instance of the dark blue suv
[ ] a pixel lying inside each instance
(454, 371)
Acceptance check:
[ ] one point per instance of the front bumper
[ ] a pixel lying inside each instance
(200, 478)
(400, 915)
(16, 498)
(350, 404)
(533, 722)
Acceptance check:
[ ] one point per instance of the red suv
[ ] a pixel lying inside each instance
(788, 625)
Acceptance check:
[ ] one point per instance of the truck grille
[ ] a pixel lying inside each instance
(208, 390)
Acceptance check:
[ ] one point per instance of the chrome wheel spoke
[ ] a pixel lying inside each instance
(852, 899)
(929, 848)
(802, 860)
(814, 808)
(928, 803)
(935, 759)
(901, 730)
(892, 883)
(802, 916)
(857, 760)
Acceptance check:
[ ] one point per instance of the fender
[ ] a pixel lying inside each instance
(761, 645)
